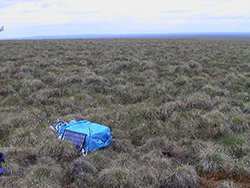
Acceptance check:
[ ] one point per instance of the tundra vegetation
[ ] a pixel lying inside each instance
(178, 110)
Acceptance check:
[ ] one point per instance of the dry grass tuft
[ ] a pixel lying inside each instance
(211, 158)
(58, 150)
(80, 174)
(182, 176)
(43, 175)
(115, 177)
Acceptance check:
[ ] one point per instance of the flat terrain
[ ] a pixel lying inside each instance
(178, 110)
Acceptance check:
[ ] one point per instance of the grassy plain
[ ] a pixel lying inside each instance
(178, 109)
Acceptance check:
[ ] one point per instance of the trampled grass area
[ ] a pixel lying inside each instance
(178, 110)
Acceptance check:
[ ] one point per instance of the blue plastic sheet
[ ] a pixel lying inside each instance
(97, 136)
(2, 159)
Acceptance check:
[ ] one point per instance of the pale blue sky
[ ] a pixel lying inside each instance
(26, 18)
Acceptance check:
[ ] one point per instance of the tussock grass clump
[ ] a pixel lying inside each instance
(240, 123)
(199, 101)
(217, 125)
(58, 150)
(130, 94)
(23, 136)
(49, 78)
(237, 145)
(181, 81)
(6, 91)
(115, 177)
(214, 91)
(33, 85)
(238, 169)
(43, 175)
(162, 112)
(12, 170)
(182, 176)
(211, 158)
(26, 69)
(10, 181)
(79, 174)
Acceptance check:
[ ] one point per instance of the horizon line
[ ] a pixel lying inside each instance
(198, 35)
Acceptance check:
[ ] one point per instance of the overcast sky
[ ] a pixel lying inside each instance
(26, 18)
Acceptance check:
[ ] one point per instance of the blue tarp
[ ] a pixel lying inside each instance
(97, 136)
(2, 159)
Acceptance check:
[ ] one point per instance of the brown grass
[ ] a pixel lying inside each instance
(178, 111)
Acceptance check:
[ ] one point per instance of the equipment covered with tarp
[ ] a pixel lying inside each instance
(85, 135)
